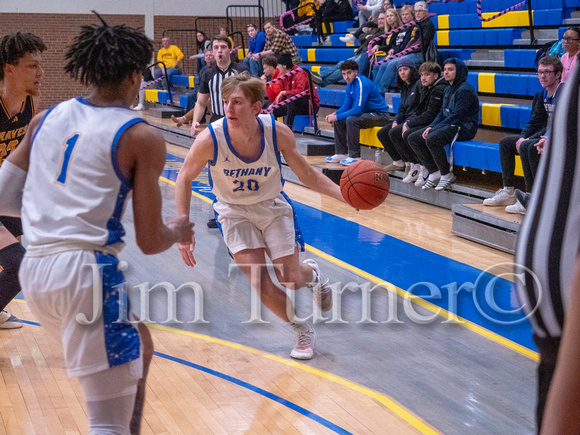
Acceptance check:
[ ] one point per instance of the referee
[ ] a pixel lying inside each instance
(210, 84)
(549, 239)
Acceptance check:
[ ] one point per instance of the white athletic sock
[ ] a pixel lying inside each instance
(435, 176)
(510, 190)
(301, 326)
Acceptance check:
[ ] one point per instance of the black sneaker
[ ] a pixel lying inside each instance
(212, 223)
(316, 78)
(523, 198)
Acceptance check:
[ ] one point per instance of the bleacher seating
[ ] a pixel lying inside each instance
(460, 33)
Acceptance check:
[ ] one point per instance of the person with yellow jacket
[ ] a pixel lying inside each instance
(171, 57)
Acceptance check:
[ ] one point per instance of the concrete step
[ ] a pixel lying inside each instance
(549, 34)
(571, 21)
(538, 41)
(575, 14)
(483, 54)
(485, 63)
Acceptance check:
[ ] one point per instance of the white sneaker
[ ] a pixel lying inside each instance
(304, 344)
(336, 158)
(138, 107)
(321, 291)
(501, 197)
(516, 208)
(422, 177)
(348, 39)
(349, 161)
(411, 177)
(8, 321)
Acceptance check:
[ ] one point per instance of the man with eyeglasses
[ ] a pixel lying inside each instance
(529, 143)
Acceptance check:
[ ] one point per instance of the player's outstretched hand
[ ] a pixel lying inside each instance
(195, 129)
(181, 227)
(186, 250)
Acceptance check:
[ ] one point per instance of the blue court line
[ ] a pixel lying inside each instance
(275, 398)
(454, 286)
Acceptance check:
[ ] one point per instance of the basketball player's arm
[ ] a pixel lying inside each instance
(307, 174)
(141, 158)
(199, 110)
(564, 394)
(14, 171)
(197, 157)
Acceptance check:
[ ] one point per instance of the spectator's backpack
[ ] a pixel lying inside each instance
(552, 48)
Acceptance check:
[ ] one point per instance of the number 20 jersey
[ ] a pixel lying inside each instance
(74, 190)
(239, 180)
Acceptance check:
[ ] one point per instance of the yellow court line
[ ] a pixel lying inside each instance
(490, 335)
(391, 404)
(431, 307)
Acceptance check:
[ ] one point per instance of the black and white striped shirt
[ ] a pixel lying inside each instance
(210, 82)
(549, 239)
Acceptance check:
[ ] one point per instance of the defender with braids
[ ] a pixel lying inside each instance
(74, 170)
(20, 79)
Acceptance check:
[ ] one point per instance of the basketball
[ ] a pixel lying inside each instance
(364, 185)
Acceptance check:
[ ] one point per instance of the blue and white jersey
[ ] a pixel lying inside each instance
(238, 180)
(74, 190)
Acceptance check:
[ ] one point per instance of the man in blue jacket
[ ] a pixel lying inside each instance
(459, 117)
(363, 107)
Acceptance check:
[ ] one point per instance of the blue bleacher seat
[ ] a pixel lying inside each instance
(520, 58)
(183, 100)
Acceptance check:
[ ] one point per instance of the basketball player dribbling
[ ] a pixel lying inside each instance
(255, 216)
(21, 75)
(73, 172)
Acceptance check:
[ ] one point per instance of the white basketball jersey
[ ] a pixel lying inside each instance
(74, 190)
(238, 180)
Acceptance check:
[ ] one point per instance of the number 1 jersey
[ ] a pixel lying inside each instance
(74, 190)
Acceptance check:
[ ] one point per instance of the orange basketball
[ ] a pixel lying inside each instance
(364, 185)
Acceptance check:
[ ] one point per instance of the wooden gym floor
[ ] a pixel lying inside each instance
(216, 372)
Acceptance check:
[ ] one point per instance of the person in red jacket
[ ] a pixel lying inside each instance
(294, 85)
(270, 73)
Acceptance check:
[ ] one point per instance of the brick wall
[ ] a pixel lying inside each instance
(58, 30)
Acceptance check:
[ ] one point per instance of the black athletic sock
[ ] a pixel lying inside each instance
(10, 259)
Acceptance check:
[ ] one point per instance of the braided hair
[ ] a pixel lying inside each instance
(105, 55)
(14, 47)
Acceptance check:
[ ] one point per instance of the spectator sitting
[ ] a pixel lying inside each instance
(395, 43)
(524, 144)
(209, 60)
(351, 38)
(203, 44)
(334, 74)
(410, 85)
(366, 12)
(329, 12)
(278, 43)
(392, 22)
(271, 73)
(571, 43)
(171, 56)
(363, 107)
(433, 87)
(459, 118)
(423, 34)
(257, 42)
(294, 85)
